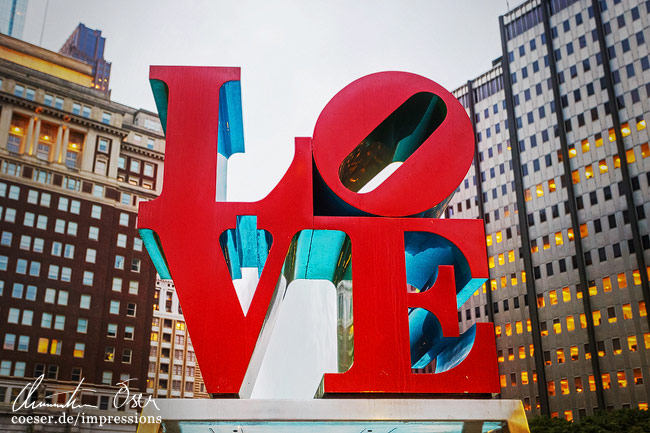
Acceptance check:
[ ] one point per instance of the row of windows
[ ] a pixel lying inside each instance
(72, 183)
(177, 370)
(57, 102)
(165, 354)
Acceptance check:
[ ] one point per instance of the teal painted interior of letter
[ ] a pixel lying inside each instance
(152, 244)
(245, 246)
(231, 126)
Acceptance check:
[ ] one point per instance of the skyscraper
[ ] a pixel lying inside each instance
(561, 178)
(87, 45)
(12, 17)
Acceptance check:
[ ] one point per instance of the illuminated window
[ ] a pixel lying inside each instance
(627, 311)
(533, 246)
(622, 280)
(491, 262)
(540, 301)
(575, 176)
(638, 376)
(572, 151)
(640, 124)
(511, 256)
(550, 386)
(493, 284)
(552, 297)
(583, 321)
(584, 231)
(637, 277)
(568, 414)
(617, 161)
(154, 336)
(596, 316)
(543, 331)
(513, 279)
(646, 340)
(501, 259)
(585, 145)
(645, 150)
(523, 276)
(607, 284)
(519, 327)
(569, 234)
(566, 294)
(631, 343)
(589, 171)
(498, 236)
(602, 166)
(508, 329)
(606, 381)
(593, 290)
(546, 242)
(79, 349)
(43, 344)
(551, 185)
(500, 356)
(612, 135)
(560, 356)
(531, 353)
(502, 379)
(625, 129)
(511, 355)
(559, 239)
(611, 315)
(629, 154)
(524, 378)
(539, 190)
(528, 329)
(570, 323)
(488, 240)
(574, 353)
(564, 386)
(642, 310)
(592, 383)
(599, 140)
(557, 326)
(577, 381)
(522, 352)
(497, 331)
(527, 195)
(503, 281)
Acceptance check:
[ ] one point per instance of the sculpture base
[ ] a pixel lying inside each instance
(336, 416)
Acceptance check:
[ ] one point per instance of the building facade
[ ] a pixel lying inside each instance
(561, 178)
(76, 284)
(173, 369)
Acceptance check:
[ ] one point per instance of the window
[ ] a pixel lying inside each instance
(88, 278)
(124, 220)
(82, 325)
(133, 287)
(112, 330)
(59, 322)
(121, 240)
(114, 307)
(96, 212)
(126, 198)
(135, 166)
(126, 356)
(106, 118)
(121, 163)
(93, 233)
(135, 265)
(130, 309)
(85, 111)
(119, 262)
(148, 169)
(63, 297)
(91, 255)
(85, 302)
(150, 144)
(79, 349)
(72, 228)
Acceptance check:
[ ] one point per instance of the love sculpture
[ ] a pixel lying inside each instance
(407, 272)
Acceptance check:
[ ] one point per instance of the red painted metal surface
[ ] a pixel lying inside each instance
(189, 222)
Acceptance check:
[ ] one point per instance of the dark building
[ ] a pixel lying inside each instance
(87, 45)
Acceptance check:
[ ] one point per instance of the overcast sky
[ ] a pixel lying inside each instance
(294, 55)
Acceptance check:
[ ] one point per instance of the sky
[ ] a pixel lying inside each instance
(295, 55)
